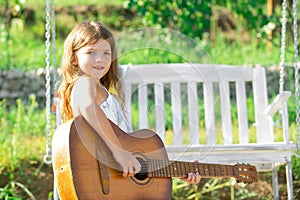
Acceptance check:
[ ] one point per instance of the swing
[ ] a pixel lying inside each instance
(281, 90)
(51, 12)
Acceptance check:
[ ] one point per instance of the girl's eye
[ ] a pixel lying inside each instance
(91, 52)
(107, 53)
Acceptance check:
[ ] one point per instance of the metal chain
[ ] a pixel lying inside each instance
(296, 72)
(55, 77)
(282, 49)
(47, 157)
(53, 38)
(278, 122)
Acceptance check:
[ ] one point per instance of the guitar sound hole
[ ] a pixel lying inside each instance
(141, 175)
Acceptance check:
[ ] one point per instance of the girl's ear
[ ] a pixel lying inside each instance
(74, 61)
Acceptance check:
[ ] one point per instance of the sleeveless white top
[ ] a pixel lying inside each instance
(114, 112)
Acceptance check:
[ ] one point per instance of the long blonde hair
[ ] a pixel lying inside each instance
(84, 33)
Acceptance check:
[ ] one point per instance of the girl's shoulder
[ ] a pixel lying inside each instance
(84, 87)
(85, 82)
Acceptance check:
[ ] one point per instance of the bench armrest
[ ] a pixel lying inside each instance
(277, 103)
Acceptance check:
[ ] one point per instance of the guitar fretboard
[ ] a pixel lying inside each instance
(163, 168)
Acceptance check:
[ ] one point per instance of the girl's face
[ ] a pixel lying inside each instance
(94, 59)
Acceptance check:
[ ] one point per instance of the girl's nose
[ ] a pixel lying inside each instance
(99, 57)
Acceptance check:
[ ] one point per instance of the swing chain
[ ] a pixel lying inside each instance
(278, 122)
(296, 66)
(54, 39)
(47, 157)
(282, 49)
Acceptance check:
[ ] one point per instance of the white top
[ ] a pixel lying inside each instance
(114, 112)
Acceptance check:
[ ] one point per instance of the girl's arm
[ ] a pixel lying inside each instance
(84, 103)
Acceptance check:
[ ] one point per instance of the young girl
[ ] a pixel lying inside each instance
(89, 71)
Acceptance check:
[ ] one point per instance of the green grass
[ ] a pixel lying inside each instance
(254, 52)
(28, 53)
(22, 133)
(76, 2)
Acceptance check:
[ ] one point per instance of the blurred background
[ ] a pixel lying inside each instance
(236, 32)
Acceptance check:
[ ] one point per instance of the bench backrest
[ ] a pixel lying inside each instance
(197, 93)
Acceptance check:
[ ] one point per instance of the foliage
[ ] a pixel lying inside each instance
(188, 17)
(11, 191)
(252, 14)
(199, 20)
(194, 18)
(23, 41)
(296, 166)
(19, 126)
(22, 137)
(254, 52)
(210, 189)
(182, 190)
(77, 2)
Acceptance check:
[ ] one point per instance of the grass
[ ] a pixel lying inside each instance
(22, 133)
(27, 53)
(76, 2)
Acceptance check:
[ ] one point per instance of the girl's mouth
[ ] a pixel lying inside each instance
(98, 68)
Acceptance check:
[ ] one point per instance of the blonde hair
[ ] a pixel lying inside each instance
(84, 33)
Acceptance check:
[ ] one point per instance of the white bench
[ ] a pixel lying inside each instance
(187, 88)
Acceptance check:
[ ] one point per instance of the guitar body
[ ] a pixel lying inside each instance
(84, 167)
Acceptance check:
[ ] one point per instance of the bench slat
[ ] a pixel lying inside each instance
(225, 112)
(160, 120)
(263, 129)
(143, 105)
(176, 113)
(193, 113)
(242, 112)
(196, 72)
(209, 113)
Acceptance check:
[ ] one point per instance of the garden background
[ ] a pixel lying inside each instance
(228, 32)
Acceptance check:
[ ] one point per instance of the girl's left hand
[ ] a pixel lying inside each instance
(192, 178)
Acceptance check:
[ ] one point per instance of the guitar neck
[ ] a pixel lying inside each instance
(163, 169)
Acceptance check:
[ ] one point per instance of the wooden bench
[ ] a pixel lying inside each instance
(201, 98)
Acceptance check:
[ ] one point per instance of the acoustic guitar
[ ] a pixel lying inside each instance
(84, 167)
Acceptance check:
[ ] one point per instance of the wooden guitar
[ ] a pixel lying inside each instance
(84, 167)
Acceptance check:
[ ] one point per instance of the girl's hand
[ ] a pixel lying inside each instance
(128, 162)
(192, 178)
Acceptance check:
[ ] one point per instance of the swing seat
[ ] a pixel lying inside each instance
(201, 101)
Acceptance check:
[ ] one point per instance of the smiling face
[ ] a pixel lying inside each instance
(94, 59)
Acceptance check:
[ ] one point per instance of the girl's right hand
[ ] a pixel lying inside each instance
(128, 162)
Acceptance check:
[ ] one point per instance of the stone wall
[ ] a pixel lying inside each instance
(15, 84)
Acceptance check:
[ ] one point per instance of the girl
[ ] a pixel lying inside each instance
(89, 70)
